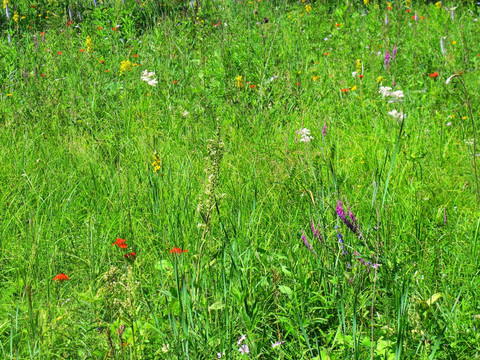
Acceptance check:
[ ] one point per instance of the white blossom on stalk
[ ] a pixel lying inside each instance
(397, 96)
(304, 135)
(147, 76)
(384, 90)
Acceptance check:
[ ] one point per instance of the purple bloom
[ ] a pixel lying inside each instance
(351, 222)
(95, 3)
(387, 60)
(394, 52)
(7, 12)
(324, 130)
(307, 244)
(386, 19)
(278, 343)
(316, 233)
(415, 17)
(244, 349)
(70, 13)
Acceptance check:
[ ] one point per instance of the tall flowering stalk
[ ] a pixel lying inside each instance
(386, 61)
(351, 221)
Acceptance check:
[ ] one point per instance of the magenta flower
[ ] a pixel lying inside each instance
(387, 60)
(351, 221)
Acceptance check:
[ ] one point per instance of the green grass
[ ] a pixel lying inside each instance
(236, 187)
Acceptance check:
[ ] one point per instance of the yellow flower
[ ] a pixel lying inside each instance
(438, 5)
(407, 3)
(16, 17)
(89, 44)
(157, 163)
(359, 64)
(454, 42)
(5, 3)
(464, 118)
(308, 8)
(125, 66)
(299, 71)
(239, 81)
(365, 2)
(389, 4)
(354, 87)
(9, 94)
(315, 78)
(380, 78)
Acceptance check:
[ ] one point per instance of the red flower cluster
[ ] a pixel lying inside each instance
(434, 75)
(131, 256)
(61, 277)
(120, 243)
(177, 250)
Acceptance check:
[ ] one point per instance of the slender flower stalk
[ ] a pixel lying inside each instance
(394, 52)
(351, 222)
(386, 61)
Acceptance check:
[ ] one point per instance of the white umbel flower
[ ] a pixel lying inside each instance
(397, 95)
(384, 90)
(304, 135)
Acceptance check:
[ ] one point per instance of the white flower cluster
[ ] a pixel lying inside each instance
(397, 96)
(304, 135)
(148, 77)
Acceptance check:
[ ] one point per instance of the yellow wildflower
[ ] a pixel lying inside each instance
(89, 44)
(464, 118)
(389, 4)
(380, 78)
(157, 163)
(359, 64)
(16, 17)
(5, 3)
(365, 2)
(9, 94)
(315, 78)
(407, 3)
(438, 5)
(308, 8)
(454, 42)
(125, 66)
(239, 81)
(354, 87)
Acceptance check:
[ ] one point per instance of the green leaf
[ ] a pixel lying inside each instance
(285, 290)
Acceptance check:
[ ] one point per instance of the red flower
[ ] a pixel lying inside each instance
(107, 70)
(43, 75)
(102, 62)
(120, 243)
(175, 81)
(59, 53)
(100, 28)
(325, 54)
(422, 18)
(131, 256)
(360, 76)
(177, 250)
(82, 50)
(345, 90)
(114, 29)
(61, 277)
(135, 56)
(33, 6)
(252, 86)
(434, 75)
(338, 25)
(42, 33)
(69, 23)
(408, 10)
(414, 17)
(297, 83)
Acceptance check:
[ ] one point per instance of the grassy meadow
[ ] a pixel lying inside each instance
(239, 179)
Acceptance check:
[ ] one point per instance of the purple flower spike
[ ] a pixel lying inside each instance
(305, 241)
(387, 60)
(386, 19)
(351, 222)
(324, 130)
(394, 52)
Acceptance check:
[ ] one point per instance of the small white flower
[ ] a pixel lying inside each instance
(244, 349)
(397, 95)
(185, 113)
(396, 115)
(165, 348)
(153, 82)
(384, 90)
(304, 135)
(241, 338)
(354, 74)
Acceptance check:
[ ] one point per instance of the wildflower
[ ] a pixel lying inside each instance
(89, 44)
(157, 163)
(354, 87)
(241, 338)
(69, 23)
(61, 277)
(365, 2)
(177, 250)
(130, 256)
(386, 19)
(7, 12)
(305, 241)
(102, 61)
(252, 86)
(324, 129)
(239, 81)
(297, 83)
(244, 349)
(338, 25)
(59, 53)
(100, 28)
(454, 42)
(165, 348)
(125, 66)
(304, 135)
(147, 76)
(434, 75)
(135, 56)
(9, 94)
(308, 8)
(5, 4)
(438, 5)
(345, 90)
(384, 90)
(114, 29)
(360, 77)
(386, 61)
(175, 82)
(81, 50)
(397, 96)
(120, 243)
(278, 343)
(16, 17)
(351, 221)
(394, 52)
(325, 54)
(380, 78)
(315, 78)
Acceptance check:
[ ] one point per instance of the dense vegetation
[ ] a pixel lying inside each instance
(262, 179)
